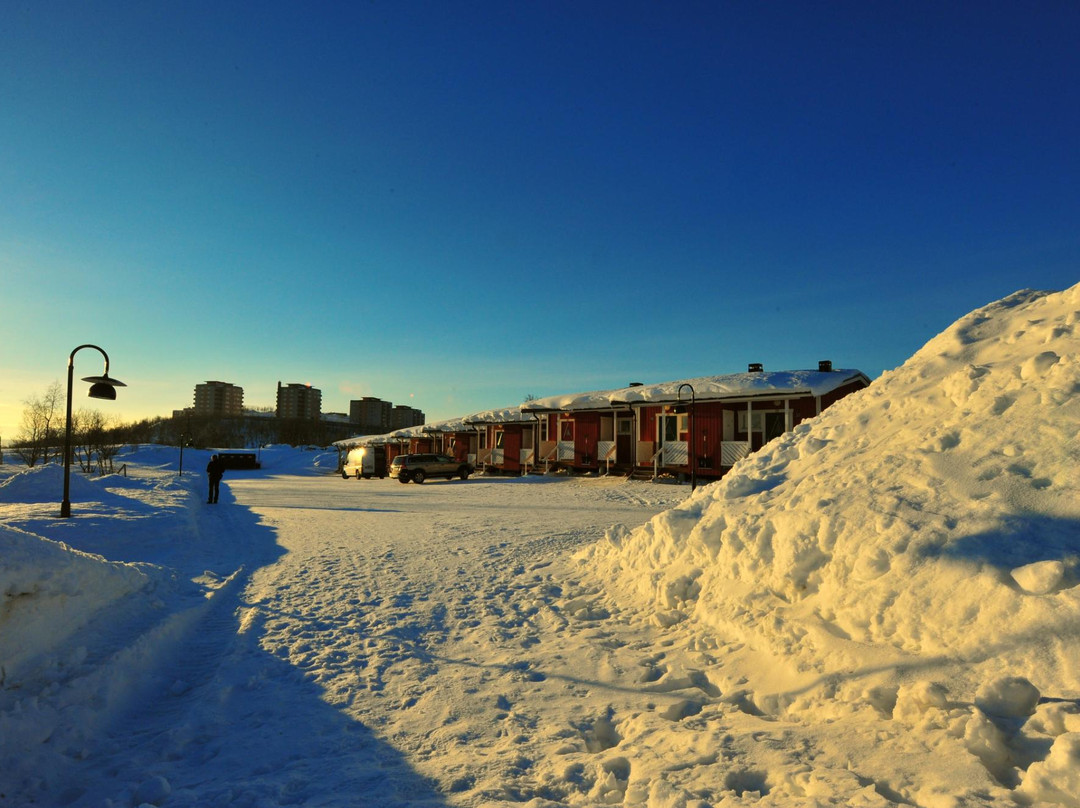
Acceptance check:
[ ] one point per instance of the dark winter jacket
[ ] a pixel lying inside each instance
(215, 468)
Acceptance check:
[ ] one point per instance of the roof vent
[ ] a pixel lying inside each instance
(825, 366)
(635, 384)
(755, 367)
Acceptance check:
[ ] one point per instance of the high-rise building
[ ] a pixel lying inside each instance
(218, 398)
(371, 415)
(299, 401)
(403, 416)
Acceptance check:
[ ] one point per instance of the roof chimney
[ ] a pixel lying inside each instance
(634, 384)
(754, 367)
(825, 366)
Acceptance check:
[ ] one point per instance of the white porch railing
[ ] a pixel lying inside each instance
(527, 458)
(566, 450)
(605, 452)
(676, 453)
(548, 451)
(655, 460)
(732, 451)
(498, 457)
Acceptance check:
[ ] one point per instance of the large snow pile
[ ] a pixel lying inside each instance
(926, 529)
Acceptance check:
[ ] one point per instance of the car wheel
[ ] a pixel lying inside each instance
(403, 478)
(464, 473)
(344, 474)
(419, 476)
(358, 474)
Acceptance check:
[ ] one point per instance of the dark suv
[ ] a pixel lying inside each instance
(418, 467)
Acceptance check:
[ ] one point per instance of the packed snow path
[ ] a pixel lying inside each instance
(426, 613)
(349, 643)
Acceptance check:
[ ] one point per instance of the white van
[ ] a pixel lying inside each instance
(366, 462)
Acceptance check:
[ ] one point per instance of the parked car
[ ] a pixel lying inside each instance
(418, 467)
(239, 460)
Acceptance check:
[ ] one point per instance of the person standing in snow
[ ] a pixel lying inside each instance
(215, 469)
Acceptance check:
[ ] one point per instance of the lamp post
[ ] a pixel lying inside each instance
(183, 440)
(693, 447)
(100, 387)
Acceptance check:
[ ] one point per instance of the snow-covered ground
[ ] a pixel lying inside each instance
(881, 608)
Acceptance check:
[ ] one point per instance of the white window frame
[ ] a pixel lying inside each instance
(757, 421)
(682, 424)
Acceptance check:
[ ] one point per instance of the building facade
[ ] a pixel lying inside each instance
(403, 416)
(218, 398)
(299, 401)
(370, 415)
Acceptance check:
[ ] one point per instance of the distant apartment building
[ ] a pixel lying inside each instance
(299, 401)
(371, 415)
(402, 416)
(218, 398)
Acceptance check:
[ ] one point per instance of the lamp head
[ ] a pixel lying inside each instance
(106, 391)
(103, 387)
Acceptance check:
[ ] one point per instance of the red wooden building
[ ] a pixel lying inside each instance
(699, 426)
(453, 437)
(506, 440)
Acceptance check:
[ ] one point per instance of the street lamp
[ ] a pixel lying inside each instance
(693, 448)
(100, 387)
(183, 440)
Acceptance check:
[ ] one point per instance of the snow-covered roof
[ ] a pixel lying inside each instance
(449, 425)
(568, 402)
(507, 415)
(763, 384)
(378, 440)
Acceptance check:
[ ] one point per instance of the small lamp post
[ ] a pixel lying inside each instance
(183, 440)
(100, 387)
(693, 447)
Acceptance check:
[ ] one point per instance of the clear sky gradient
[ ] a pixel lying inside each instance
(454, 205)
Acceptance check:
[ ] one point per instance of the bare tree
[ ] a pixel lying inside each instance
(102, 441)
(80, 445)
(93, 441)
(40, 426)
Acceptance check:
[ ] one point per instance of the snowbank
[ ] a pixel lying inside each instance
(48, 589)
(928, 523)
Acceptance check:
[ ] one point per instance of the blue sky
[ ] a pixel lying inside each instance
(454, 205)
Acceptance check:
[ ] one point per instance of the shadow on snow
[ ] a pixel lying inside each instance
(212, 714)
